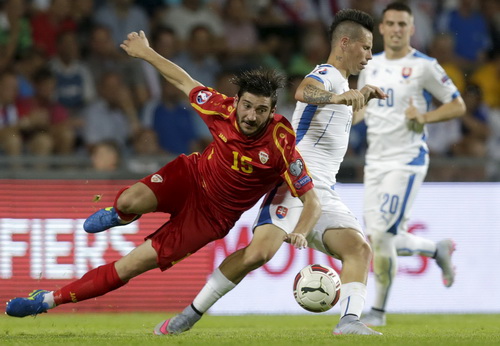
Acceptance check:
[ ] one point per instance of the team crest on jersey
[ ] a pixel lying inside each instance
(203, 96)
(406, 72)
(263, 157)
(296, 167)
(322, 70)
(156, 178)
(281, 212)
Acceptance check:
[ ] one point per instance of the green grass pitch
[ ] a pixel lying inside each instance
(310, 330)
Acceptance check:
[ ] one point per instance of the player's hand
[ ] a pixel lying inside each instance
(372, 92)
(136, 44)
(298, 240)
(415, 120)
(352, 98)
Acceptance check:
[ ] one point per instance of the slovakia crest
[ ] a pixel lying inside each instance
(406, 72)
(263, 157)
(281, 212)
(203, 96)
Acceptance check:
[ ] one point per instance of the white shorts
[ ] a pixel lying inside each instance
(283, 210)
(390, 191)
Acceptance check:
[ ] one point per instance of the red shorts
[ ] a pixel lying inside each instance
(192, 222)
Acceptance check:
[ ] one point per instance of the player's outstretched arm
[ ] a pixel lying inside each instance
(136, 45)
(308, 218)
(447, 111)
(313, 92)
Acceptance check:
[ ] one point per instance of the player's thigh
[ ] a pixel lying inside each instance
(183, 235)
(335, 216)
(280, 209)
(346, 242)
(266, 241)
(138, 261)
(173, 185)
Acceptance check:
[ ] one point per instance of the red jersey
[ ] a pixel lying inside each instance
(237, 170)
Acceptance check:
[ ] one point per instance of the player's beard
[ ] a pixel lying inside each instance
(258, 129)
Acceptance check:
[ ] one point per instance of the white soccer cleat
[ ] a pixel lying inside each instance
(445, 249)
(178, 324)
(161, 328)
(353, 326)
(374, 318)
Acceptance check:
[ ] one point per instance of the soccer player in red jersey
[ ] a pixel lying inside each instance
(252, 152)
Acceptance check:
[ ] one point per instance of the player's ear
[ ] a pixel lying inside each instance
(412, 30)
(235, 102)
(344, 42)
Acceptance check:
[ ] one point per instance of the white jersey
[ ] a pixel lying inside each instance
(415, 77)
(323, 131)
(322, 138)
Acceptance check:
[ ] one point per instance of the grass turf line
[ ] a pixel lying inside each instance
(136, 329)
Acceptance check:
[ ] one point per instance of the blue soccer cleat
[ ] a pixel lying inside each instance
(102, 220)
(31, 306)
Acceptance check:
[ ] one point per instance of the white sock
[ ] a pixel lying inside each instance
(385, 267)
(352, 298)
(408, 244)
(216, 287)
(49, 299)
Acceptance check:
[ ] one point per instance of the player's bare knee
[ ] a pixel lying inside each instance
(382, 243)
(363, 250)
(124, 203)
(360, 251)
(127, 202)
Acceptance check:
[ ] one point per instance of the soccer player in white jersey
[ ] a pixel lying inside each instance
(397, 155)
(322, 121)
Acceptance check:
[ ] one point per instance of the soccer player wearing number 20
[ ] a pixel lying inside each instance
(205, 194)
(397, 156)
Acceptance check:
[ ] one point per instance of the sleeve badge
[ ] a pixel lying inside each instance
(203, 96)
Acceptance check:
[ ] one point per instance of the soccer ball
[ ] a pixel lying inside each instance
(317, 288)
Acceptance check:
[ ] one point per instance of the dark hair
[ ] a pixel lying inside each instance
(344, 20)
(161, 30)
(261, 82)
(397, 6)
(473, 89)
(43, 74)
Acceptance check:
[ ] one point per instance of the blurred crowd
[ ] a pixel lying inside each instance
(67, 88)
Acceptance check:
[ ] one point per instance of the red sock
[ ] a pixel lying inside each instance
(123, 216)
(95, 283)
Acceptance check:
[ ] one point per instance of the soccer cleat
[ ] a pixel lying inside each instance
(161, 328)
(353, 326)
(102, 220)
(445, 249)
(179, 323)
(33, 305)
(374, 318)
